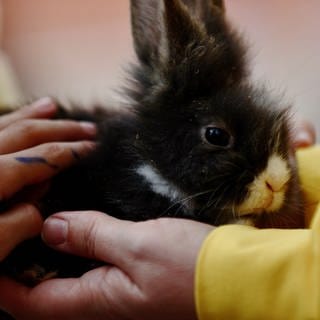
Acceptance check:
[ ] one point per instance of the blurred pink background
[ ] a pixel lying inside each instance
(76, 49)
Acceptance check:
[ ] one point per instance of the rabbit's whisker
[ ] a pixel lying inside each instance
(186, 199)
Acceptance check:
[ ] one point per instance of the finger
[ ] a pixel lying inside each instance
(18, 224)
(43, 108)
(54, 299)
(49, 300)
(31, 194)
(90, 234)
(28, 133)
(304, 134)
(38, 164)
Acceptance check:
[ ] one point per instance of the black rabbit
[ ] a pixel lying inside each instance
(199, 141)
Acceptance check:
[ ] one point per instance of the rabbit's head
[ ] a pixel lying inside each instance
(210, 141)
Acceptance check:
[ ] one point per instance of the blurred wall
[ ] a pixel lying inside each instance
(68, 48)
(76, 48)
(285, 48)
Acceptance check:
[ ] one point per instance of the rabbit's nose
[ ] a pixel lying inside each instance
(276, 185)
(267, 191)
(277, 174)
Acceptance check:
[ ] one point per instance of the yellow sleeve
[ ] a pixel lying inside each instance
(309, 172)
(246, 273)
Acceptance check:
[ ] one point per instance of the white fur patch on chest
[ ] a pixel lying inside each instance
(159, 184)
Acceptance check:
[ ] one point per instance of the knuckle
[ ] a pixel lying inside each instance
(145, 232)
(30, 210)
(89, 240)
(55, 150)
(8, 177)
(147, 236)
(70, 125)
(25, 128)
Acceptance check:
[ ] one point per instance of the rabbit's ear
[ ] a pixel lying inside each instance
(145, 28)
(202, 7)
(162, 29)
(187, 42)
(211, 13)
(180, 30)
(217, 3)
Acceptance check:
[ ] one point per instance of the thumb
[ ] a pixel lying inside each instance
(89, 234)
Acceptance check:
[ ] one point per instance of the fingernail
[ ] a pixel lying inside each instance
(44, 104)
(89, 127)
(303, 138)
(55, 231)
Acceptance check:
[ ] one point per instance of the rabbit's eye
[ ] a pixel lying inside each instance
(218, 136)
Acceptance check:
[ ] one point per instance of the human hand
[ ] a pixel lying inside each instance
(149, 272)
(30, 154)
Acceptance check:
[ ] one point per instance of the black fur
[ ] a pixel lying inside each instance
(191, 74)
